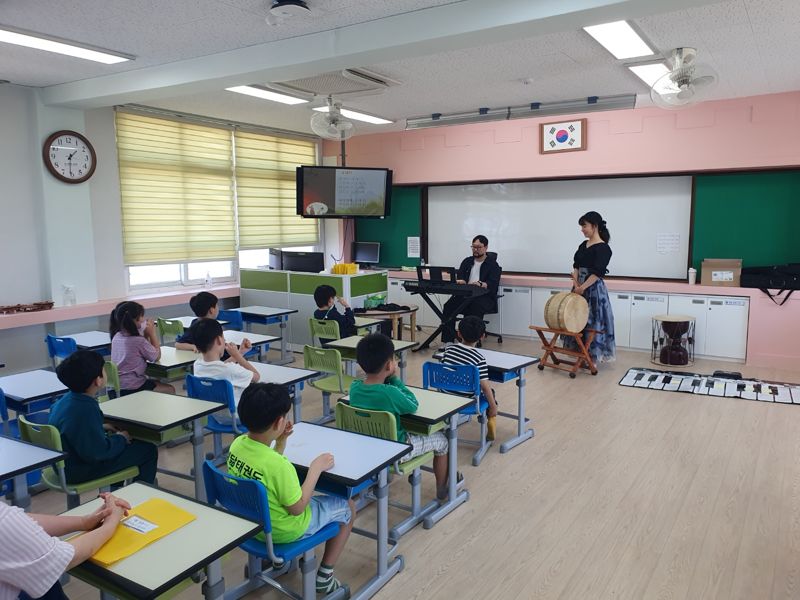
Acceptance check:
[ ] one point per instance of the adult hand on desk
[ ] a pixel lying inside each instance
(461, 281)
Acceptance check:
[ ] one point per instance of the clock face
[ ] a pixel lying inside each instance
(69, 156)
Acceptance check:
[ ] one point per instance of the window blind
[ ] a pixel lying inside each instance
(265, 191)
(176, 185)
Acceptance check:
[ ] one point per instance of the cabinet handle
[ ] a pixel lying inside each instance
(715, 302)
(508, 290)
(622, 296)
(638, 297)
(554, 292)
(696, 301)
(394, 283)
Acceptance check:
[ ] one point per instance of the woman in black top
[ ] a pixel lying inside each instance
(588, 269)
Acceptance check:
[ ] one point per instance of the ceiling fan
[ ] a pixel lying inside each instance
(331, 125)
(687, 82)
(282, 10)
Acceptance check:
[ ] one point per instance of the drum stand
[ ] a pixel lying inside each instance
(581, 357)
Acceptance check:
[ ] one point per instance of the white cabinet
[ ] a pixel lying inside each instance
(692, 306)
(516, 311)
(643, 308)
(621, 308)
(726, 327)
(399, 295)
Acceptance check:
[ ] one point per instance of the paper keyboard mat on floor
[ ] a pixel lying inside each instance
(707, 385)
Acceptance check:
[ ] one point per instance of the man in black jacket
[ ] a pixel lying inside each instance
(482, 270)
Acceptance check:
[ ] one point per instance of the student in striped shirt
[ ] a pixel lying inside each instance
(471, 330)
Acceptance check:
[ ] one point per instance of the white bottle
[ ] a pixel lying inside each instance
(69, 295)
(208, 280)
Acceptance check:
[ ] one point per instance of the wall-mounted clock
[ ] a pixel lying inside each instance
(69, 156)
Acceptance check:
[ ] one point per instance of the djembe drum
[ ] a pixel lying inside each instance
(567, 311)
(673, 340)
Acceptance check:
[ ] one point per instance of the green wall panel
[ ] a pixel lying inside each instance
(361, 285)
(753, 216)
(404, 221)
(271, 281)
(306, 284)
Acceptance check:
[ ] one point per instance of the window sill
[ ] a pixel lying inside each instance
(104, 307)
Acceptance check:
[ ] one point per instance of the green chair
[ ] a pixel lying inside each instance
(328, 329)
(169, 328)
(327, 360)
(382, 424)
(112, 382)
(48, 437)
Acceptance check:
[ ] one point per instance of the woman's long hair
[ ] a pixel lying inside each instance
(594, 218)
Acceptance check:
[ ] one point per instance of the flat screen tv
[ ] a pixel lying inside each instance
(336, 192)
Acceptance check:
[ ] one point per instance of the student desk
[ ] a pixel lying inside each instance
(162, 565)
(99, 341)
(266, 315)
(256, 339)
(503, 367)
(158, 418)
(367, 323)
(435, 408)
(18, 458)
(187, 321)
(171, 358)
(358, 458)
(31, 391)
(400, 348)
(291, 377)
(396, 316)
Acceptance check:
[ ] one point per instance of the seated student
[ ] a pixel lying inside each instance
(208, 337)
(471, 330)
(205, 305)
(383, 390)
(134, 343)
(33, 558)
(326, 298)
(294, 511)
(93, 449)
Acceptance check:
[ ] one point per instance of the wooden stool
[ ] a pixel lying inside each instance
(581, 357)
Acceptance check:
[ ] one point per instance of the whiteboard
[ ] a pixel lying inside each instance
(533, 226)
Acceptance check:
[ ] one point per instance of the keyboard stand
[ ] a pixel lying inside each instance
(440, 314)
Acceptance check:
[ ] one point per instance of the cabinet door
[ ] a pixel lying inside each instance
(516, 311)
(621, 307)
(692, 306)
(726, 330)
(643, 308)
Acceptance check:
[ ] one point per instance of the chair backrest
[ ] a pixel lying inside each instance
(169, 328)
(212, 390)
(324, 329)
(233, 317)
(246, 498)
(60, 347)
(375, 423)
(461, 379)
(46, 436)
(4, 415)
(324, 360)
(112, 382)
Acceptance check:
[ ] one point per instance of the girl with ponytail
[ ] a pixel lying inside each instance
(134, 343)
(588, 269)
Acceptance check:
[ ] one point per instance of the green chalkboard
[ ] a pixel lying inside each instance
(392, 232)
(753, 216)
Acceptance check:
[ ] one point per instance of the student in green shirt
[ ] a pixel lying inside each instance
(295, 513)
(383, 390)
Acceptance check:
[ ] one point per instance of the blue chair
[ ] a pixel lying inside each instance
(5, 426)
(59, 347)
(247, 498)
(221, 391)
(235, 321)
(464, 380)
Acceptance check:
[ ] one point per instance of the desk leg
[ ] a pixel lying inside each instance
(21, 497)
(386, 570)
(402, 363)
(285, 358)
(413, 320)
(214, 585)
(522, 433)
(297, 402)
(454, 497)
(199, 456)
(394, 327)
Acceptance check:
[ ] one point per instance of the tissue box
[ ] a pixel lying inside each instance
(725, 272)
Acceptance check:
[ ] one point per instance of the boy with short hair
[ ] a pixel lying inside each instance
(472, 330)
(204, 305)
(210, 342)
(295, 513)
(383, 390)
(326, 299)
(94, 449)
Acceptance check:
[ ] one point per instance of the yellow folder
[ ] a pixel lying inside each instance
(145, 523)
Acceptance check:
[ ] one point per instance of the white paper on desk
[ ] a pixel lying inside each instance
(783, 396)
(674, 384)
(413, 245)
(139, 524)
(630, 377)
(668, 243)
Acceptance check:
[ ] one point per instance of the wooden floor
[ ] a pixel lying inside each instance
(622, 493)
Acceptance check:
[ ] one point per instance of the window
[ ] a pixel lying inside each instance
(194, 194)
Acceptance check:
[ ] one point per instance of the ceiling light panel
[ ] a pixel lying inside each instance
(40, 43)
(358, 116)
(620, 39)
(650, 73)
(257, 92)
